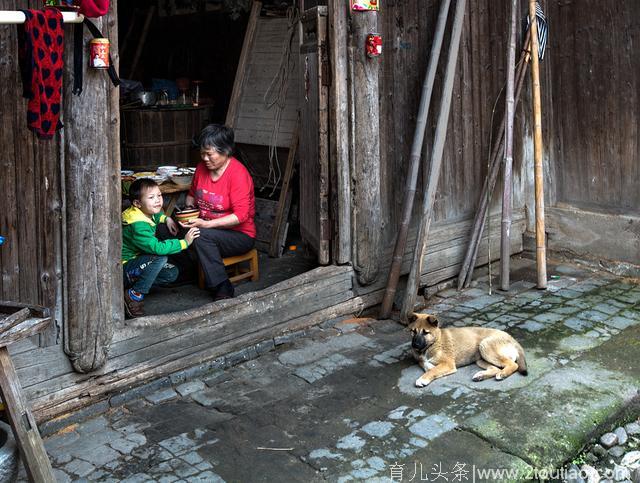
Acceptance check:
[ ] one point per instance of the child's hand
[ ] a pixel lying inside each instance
(171, 226)
(191, 235)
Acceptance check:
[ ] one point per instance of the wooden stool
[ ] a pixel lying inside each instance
(237, 273)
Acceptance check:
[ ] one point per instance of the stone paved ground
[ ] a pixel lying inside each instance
(340, 404)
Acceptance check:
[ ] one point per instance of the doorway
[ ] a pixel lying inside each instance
(175, 48)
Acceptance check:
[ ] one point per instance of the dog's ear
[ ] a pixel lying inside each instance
(432, 320)
(411, 320)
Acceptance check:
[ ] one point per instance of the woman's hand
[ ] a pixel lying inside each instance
(191, 235)
(195, 223)
(171, 226)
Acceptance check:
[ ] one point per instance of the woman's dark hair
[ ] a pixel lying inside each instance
(139, 186)
(217, 137)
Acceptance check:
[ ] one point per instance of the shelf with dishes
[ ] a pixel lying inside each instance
(179, 176)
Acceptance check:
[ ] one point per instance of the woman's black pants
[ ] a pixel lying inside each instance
(213, 245)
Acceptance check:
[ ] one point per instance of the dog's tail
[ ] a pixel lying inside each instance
(522, 362)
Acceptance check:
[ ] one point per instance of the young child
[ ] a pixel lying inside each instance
(144, 256)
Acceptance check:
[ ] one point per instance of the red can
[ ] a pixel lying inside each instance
(374, 45)
(99, 53)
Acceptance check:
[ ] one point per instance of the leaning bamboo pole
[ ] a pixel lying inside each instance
(466, 271)
(414, 163)
(505, 240)
(541, 255)
(436, 162)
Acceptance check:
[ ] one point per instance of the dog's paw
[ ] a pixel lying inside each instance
(499, 377)
(478, 376)
(421, 382)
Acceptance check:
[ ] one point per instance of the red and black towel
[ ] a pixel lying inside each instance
(40, 48)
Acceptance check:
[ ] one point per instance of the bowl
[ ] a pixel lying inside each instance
(166, 170)
(187, 215)
(182, 179)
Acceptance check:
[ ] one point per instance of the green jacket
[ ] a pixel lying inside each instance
(139, 236)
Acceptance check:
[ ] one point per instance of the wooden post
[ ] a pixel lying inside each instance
(366, 137)
(339, 128)
(92, 233)
(436, 163)
(505, 240)
(324, 257)
(414, 163)
(541, 254)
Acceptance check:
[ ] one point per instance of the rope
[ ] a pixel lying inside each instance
(275, 97)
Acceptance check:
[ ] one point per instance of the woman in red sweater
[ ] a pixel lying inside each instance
(222, 189)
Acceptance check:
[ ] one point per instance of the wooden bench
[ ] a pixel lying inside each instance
(237, 272)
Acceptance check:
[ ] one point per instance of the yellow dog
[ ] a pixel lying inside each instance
(441, 351)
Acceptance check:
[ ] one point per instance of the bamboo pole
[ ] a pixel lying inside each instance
(505, 241)
(436, 162)
(466, 271)
(414, 162)
(541, 255)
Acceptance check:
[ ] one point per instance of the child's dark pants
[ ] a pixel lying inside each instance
(144, 271)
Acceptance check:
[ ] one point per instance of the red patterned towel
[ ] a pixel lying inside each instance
(41, 45)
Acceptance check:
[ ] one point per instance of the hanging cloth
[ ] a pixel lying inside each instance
(40, 49)
(78, 56)
(94, 8)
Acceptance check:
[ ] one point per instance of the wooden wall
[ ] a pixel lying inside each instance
(595, 92)
(30, 193)
(60, 201)
(407, 27)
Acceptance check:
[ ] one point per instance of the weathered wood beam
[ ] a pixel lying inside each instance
(9, 307)
(367, 211)
(13, 319)
(339, 129)
(93, 282)
(24, 426)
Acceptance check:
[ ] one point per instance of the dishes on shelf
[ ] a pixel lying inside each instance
(182, 179)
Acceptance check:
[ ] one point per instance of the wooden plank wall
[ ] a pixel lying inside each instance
(595, 93)
(407, 27)
(30, 193)
(254, 122)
